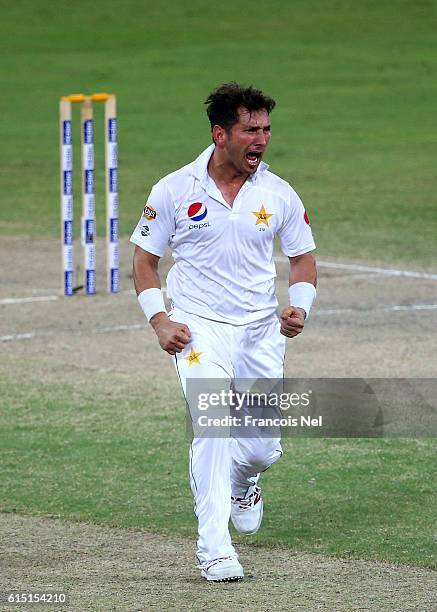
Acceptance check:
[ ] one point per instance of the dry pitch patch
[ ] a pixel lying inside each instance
(115, 569)
(352, 333)
(353, 330)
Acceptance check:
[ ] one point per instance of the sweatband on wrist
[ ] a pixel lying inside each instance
(302, 295)
(152, 302)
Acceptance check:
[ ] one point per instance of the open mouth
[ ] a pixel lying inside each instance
(253, 158)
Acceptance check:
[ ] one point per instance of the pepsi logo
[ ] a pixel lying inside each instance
(197, 211)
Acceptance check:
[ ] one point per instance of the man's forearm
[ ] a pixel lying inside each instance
(148, 286)
(145, 271)
(303, 269)
(302, 282)
(172, 336)
(145, 279)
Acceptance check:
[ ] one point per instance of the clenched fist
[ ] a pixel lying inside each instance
(172, 336)
(292, 321)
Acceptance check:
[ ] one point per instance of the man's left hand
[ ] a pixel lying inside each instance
(292, 321)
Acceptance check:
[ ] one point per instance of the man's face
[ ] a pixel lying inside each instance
(245, 143)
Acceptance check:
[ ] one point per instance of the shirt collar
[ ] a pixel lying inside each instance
(199, 167)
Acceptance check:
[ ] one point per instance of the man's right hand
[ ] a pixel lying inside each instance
(172, 336)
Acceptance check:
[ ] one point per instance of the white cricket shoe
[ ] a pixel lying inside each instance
(247, 512)
(224, 569)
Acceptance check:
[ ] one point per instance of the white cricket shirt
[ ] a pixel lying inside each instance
(224, 268)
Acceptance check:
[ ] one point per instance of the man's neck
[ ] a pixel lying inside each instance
(224, 173)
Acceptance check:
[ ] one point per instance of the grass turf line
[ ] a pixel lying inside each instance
(86, 453)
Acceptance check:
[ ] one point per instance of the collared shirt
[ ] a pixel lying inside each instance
(224, 268)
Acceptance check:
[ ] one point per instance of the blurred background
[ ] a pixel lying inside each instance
(353, 131)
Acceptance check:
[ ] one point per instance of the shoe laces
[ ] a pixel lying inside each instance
(207, 564)
(248, 502)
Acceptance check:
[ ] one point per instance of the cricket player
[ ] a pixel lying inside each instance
(220, 215)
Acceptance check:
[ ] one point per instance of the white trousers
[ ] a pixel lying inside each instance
(224, 466)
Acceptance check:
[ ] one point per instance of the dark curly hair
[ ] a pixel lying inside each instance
(225, 101)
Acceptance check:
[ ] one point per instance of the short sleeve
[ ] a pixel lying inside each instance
(157, 223)
(295, 232)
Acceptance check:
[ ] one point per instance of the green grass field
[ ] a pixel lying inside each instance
(354, 132)
(122, 460)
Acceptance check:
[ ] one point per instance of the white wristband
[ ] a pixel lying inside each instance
(302, 295)
(152, 302)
